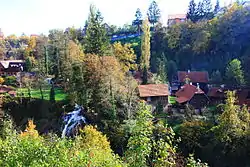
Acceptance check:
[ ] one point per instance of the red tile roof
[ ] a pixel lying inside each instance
(153, 90)
(194, 76)
(187, 92)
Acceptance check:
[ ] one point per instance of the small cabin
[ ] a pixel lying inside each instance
(154, 93)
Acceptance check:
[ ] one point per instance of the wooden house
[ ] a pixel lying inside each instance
(154, 93)
(191, 77)
(11, 67)
(192, 95)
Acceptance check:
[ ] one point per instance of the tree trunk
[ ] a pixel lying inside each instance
(41, 91)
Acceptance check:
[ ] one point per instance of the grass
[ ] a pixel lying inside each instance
(35, 93)
(172, 99)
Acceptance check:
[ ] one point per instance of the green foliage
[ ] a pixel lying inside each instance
(216, 77)
(139, 145)
(52, 94)
(234, 73)
(191, 162)
(230, 126)
(10, 80)
(149, 145)
(192, 13)
(138, 19)
(53, 151)
(162, 73)
(191, 134)
(145, 45)
(153, 13)
(96, 40)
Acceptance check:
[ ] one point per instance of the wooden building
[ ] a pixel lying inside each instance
(154, 93)
(192, 95)
(11, 67)
(191, 77)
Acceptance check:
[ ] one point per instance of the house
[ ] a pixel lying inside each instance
(176, 18)
(194, 77)
(216, 95)
(11, 67)
(190, 94)
(154, 94)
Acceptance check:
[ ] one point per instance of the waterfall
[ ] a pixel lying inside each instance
(72, 120)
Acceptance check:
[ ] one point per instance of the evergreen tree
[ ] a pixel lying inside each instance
(153, 13)
(172, 70)
(138, 20)
(96, 40)
(216, 77)
(192, 13)
(162, 73)
(145, 45)
(217, 7)
(200, 10)
(208, 12)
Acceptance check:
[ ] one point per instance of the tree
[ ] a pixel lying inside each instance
(192, 13)
(138, 20)
(230, 126)
(216, 77)
(208, 12)
(30, 130)
(217, 7)
(172, 70)
(153, 13)
(145, 45)
(96, 40)
(52, 93)
(126, 56)
(139, 145)
(162, 73)
(234, 73)
(149, 144)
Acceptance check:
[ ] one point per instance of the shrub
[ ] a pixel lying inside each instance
(10, 80)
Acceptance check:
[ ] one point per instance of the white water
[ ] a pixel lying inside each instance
(73, 119)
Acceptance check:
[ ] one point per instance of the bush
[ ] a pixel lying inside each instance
(10, 80)
(29, 149)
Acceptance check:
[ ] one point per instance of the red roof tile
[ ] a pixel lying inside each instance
(194, 76)
(187, 92)
(153, 90)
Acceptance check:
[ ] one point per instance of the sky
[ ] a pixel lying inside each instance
(40, 16)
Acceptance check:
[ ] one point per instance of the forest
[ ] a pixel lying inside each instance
(84, 66)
